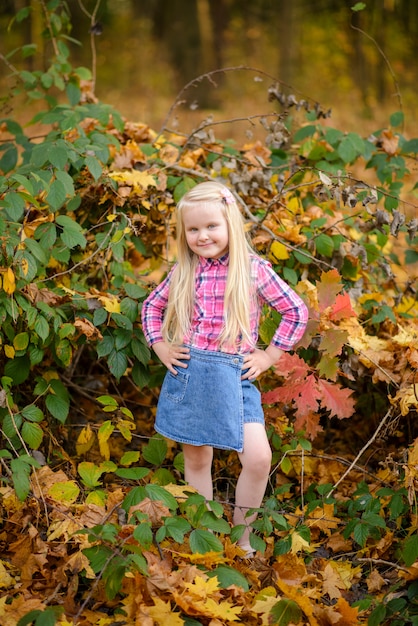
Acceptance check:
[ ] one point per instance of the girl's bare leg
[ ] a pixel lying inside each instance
(198, 468)
(252, 482)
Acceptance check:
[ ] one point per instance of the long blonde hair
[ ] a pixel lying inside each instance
(238, 291)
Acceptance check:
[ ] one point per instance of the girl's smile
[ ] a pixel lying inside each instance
(206, 231)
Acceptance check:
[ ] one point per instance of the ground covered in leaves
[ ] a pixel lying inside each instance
(69, 557)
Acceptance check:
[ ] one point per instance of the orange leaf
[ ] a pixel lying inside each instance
(337, 400)
(309, 423)
(342, 308)
(328, 288)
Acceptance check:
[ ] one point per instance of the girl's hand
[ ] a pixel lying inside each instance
(171, 355)
(260, 361)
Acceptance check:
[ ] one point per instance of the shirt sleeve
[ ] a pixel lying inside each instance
(275, 292)
(153, 310)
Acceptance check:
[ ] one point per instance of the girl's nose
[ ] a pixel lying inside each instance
(203, 235)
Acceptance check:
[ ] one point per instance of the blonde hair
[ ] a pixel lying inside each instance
(238, 291)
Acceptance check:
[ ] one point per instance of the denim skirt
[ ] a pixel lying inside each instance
(207, 403)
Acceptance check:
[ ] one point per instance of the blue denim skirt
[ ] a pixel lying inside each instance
(207, 404)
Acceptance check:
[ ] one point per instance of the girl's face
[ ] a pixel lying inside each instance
(206, 231)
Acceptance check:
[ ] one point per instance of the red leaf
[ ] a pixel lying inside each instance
(342, 308)
(309, 423)
(306, 395)
(292, 366)
(336, 399)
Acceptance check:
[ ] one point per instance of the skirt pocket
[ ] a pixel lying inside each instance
(174, 387)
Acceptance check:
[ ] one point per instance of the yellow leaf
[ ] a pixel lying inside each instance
(278, 251)
(25, 267)
(406, 336)
(163, 614)
(299, 543)
(134, 178)
(5, 579)
(9, 285)
(105, 430)
(110, 304)
(96, 497)
(9, 351)
(64, 491)
(407, 397)
(111, 218)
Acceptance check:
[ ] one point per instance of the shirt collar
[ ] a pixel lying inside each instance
(206, 263)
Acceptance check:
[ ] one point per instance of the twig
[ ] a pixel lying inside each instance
(383, 562)
(364, 448)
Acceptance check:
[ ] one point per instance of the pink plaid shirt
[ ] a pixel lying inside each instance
(207, 319)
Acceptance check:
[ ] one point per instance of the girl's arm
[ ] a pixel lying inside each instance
(275, 292)
(152, 314)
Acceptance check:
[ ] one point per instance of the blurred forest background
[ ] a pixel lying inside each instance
(363, 65)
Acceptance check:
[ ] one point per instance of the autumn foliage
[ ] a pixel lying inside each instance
(97, 525)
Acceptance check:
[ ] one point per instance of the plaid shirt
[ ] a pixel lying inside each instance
(208, 320)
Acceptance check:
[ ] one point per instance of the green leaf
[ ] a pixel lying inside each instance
(155, 492)
(94, 167)
(14, 205)
(32, 413)
(21, 341)
(359, 6)
(40, 253)
(228, 576)
(90, 473)
(143, 535)
(73, 238)
(56, 195)
(202, 541)
(8, 160)
(118, 362)
(410, 550)
(41, 327)
(132, 456)
(155, 451)
(57, 155)
(284, 612)
(324, 245)
(21, 468)
(58, 407)
(108, 401)
(32, 434)
(18, 369)
(176, 528)
(377, 616)
(132, 473)
(184, 185)
(361, 533)
(99, 316)
(210, 521)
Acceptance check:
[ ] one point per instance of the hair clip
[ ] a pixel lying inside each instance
(227, 196)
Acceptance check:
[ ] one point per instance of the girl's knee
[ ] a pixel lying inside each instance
(197, 457)
(259, 462)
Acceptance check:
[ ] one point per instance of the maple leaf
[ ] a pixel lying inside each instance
(328, 288)
(163, 614)
(333, 340)
(342, 307)
(308, 395)
(323, 517)
(291, 364)
(337, 400)
(308, 422)
(332, 583)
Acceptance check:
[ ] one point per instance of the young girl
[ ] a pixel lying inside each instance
(202, 322)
